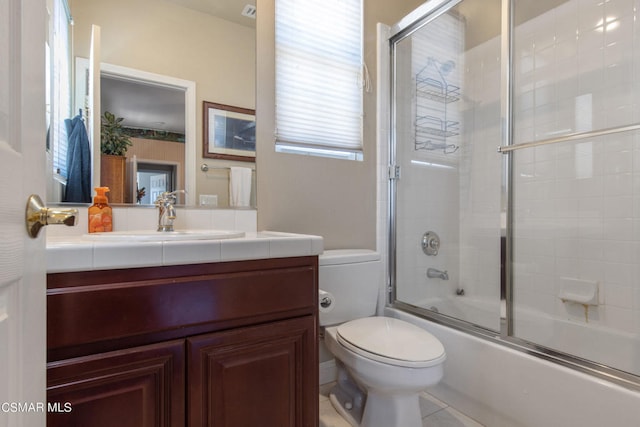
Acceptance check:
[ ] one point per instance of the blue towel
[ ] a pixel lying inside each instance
(78, 187)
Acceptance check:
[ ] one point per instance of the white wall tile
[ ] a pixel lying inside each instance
(70, 258)
(232, 250)
(223, 219)
(138, 219)
(246, 220)
(196, 218)
(105, 255)
(618, 295)
(619, 184)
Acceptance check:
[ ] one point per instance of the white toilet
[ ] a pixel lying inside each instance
(383, 363)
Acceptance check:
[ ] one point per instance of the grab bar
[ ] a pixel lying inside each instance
(570, 137)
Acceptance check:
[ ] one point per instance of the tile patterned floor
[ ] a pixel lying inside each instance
(435, 413)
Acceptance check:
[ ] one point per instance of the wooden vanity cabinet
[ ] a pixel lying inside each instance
(226, 367)
(223, 344)
(141, 387)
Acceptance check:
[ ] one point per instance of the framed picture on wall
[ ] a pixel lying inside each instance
(229, 132)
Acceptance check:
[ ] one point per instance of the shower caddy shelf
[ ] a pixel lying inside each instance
(432, 132)
(435, 90)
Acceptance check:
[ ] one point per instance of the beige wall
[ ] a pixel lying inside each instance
(160, 37)
(332, 198)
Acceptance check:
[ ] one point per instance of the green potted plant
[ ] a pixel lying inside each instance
(114, 144)
(113, 140)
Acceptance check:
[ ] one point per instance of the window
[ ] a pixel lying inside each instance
(60, 78)
(319, 77)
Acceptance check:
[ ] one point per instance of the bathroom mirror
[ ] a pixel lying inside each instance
(210, 43)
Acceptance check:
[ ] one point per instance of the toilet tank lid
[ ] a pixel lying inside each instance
(347, 256)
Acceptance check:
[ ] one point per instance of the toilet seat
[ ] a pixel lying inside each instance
(391, 341)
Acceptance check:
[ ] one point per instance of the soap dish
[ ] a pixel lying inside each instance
(579, 291)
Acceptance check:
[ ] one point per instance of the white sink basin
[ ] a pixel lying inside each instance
(151, 235)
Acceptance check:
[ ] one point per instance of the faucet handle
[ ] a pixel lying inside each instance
(171, 196)
(168, 197)
(162, 199)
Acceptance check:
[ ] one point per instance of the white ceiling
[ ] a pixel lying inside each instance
(161, 108)
(142, 105)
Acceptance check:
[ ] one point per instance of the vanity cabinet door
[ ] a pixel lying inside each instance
(137, 387)
(254, 376)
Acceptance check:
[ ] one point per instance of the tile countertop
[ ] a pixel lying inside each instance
(65, 254)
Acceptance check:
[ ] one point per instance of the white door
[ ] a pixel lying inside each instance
(87, 98)
(22, 171)
(158, 186)
(95, 112)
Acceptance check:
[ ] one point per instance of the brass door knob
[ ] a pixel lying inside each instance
(37, 215)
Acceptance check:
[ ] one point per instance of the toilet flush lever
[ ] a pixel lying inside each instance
(430, 243)
(325, 302)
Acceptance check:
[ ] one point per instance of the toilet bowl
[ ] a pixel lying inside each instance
(383, 363)
(391, 362)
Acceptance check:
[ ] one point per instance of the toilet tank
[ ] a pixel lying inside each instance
(353, 278)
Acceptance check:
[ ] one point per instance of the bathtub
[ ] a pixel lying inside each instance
(577, 337)
(482, 312)
(502, 387)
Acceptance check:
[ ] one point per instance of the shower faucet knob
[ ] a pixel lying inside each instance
(430, 243)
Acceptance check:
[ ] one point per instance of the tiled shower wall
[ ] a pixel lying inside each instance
(577, 204)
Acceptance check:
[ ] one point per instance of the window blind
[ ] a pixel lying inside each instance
(61, 85)
(318, 74)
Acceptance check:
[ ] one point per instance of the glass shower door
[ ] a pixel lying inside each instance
(514, 202)
(446, 116)
(576, 210)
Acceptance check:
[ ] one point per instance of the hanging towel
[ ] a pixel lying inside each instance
(78, 187)
(239, 187)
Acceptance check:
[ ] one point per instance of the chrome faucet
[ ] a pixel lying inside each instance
(167, 212)
(434, 273)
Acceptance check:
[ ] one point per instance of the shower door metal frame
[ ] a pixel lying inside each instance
(506, 119)
(413, 22)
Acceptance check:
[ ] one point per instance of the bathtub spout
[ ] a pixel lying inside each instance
(434, 273)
